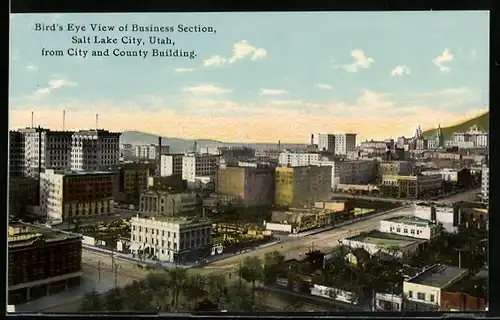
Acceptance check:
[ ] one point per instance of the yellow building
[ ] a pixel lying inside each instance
(253, 186)
(299, 186)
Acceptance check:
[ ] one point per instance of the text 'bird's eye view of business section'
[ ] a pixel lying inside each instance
(100, 224)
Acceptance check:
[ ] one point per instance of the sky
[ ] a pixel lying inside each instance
(253, 77)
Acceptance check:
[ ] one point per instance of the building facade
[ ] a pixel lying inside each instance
(41, 262)
(411, 226)
(424, 291)
(23, 193)
(299, 186)
(394, 168)
(295, 159)
(133, 178)
(16, 154)
(344, 143)
(254, 186)
(170, 239)
(199, 165)
(410, 186)
(478, 138)
(70, 195)
(94, 150)
(171, 165)
(326, 142)
(158, 202)
(485, 183)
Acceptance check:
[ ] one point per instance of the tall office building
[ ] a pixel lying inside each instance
(326, 142)
(344, 143)
(93, 150)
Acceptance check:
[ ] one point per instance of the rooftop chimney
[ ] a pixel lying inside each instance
(32, 118)
(312, 139)
(159, 156)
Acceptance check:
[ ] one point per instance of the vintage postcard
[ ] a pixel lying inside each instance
(242, 162)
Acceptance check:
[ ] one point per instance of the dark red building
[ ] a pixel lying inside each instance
(41, 262)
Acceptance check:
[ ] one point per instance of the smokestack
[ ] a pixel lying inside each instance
(64, 120)
(279, 145)
(159, 156)
(195, 147)
(32, 119)
(96, 121)
(312, 139)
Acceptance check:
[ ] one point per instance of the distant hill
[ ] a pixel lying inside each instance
(482, 122)
(182, 145)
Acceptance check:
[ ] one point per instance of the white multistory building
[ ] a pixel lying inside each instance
(295, 159)
(198, 165)
(149, 151)
(411, 226)
(344, 143)
(93, 150)
(485, 183)
(165, 238)
(171, 164)
(444, 215)
(36, 149)
(326, 142)
(478, 138)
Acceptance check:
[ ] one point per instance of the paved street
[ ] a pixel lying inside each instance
(299, 246)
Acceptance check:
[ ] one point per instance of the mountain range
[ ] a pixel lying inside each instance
(183, 145)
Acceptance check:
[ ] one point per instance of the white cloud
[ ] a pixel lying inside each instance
(324, 86)
(31, 68)
(214, 61)
(55, 84)
(360, 62)
(206, 89)
(443, 59)
(43, 91)
(241, 50)
(272, 92)
(184, 69)
(400, 71)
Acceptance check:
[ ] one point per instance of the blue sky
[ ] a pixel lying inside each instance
(259, 77)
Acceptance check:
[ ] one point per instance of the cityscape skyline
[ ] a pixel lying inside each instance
(356, 83)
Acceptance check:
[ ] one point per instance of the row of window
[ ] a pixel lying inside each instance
(405, 230)
(421, 296)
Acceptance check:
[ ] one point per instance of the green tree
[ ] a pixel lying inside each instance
(194, 289)
(273, 266)
(114, 300)
(92, 302)
(217, 287)
(252, 271)
(177, 280)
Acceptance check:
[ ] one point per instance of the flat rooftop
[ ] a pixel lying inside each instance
(22, 235)
(412, 220)
(440, 276)
(384, 239)
(175, 220)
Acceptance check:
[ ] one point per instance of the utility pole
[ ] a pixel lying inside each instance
(116, 275)
(99, 271)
